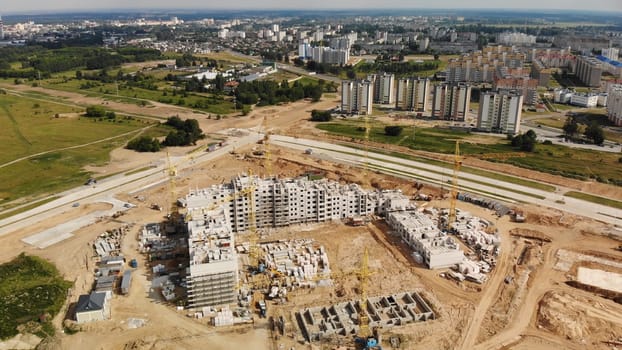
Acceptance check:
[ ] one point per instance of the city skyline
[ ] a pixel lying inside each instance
(30, 6)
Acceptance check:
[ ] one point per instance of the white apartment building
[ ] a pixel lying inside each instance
(384, 87)
(357, 97)
(611, 53)
(413, 94)
(500, 112)
(509, 38)
(614, 103)
(328, 55)
(422, 234)
(451, 101)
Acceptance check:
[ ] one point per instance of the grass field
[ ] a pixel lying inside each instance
(554, 159)
(140, 96)
(31, 128)
(594, 199)
(29, 288)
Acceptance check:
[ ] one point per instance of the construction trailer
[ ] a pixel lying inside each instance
(126, 282)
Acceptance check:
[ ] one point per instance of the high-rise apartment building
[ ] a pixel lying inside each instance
(1, 29)
(614, 104)
(451, 101)
(500, 112)
(412, 94)
(357, 97)
(384, 87)
(611, 53)
(589, 70)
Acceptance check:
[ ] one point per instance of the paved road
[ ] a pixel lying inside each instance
(113, 185)
(473, 183)
(552, 134)
(300, 71)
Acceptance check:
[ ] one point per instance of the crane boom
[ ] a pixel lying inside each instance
(364, 275)
(454, 185)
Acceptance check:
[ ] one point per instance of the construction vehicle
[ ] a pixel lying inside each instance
(155, 206)
(261, 304)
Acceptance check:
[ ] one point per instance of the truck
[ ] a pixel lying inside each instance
(133, 263)
(262, 308)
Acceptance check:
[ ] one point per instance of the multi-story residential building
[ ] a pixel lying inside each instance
(500, 112)
(611, 53)
(213, 270)
(328, 55)
(384, 87)
(527, 86)
(340, 43)
(357, 97)
(412, 94)
(451, 101)
(509, 38)
(614, 103)
(589, 70)
(481, 66)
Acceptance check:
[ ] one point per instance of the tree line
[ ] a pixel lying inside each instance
(185, 132)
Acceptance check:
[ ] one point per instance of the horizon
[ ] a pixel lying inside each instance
(32, 7)
(181, 11)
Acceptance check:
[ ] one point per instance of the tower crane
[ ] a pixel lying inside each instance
(366, 169)
(266, 144)
(454, 186)
(365, 336)
(171, 170)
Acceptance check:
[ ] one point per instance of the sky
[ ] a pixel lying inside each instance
(13, 6)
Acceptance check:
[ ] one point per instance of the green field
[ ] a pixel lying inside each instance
(31, 128)
(141, 96)
(29, 288)
(554, 159)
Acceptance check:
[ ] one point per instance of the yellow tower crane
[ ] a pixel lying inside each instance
(173, 212)
(364, 274)
(454, 186)
(366, 169)
(266, 144)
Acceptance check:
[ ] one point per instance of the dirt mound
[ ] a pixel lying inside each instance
(582, 320)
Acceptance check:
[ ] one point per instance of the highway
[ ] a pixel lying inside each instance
(122, 183)
(468, 182)
(504, 191)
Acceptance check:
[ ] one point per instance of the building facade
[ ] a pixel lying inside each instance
(589, 70)
(357, 97)
(614, 104)
(500, 112)
(451, 101)
(611, 53)
(527, 86)
(384, 87)
(413, 94)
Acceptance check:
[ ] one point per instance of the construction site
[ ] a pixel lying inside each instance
(266, 245)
